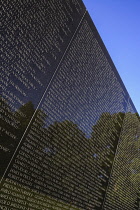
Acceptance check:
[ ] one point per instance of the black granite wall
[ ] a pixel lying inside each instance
(70, 134)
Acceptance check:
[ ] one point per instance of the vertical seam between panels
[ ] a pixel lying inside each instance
(114, 159)
(56, 70)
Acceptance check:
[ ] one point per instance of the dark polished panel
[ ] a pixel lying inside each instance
(35, 35)
(70, 132)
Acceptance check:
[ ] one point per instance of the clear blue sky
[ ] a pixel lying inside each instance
(118, 23)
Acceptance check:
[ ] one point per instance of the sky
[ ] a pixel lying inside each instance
(118, 23)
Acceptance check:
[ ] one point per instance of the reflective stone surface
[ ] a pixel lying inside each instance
(70, 134)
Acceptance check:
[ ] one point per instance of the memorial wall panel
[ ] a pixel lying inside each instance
(34, 38)
(124, 184)
(70, 133)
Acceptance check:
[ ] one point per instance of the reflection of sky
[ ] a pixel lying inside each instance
(81, 92)
(72, 108)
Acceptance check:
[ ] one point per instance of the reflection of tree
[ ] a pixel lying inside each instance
(77, 169)
(126, 172)
(15, 122)
(75, 157)
(13, 125)
(27, 111)
(8, 126)
(68, 158)
(104, 140)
